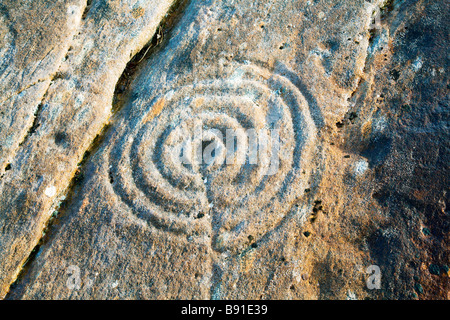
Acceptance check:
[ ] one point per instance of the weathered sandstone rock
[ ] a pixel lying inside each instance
(346, 101)
(74, 73)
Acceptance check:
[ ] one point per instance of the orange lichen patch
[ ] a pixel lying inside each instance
(366, 129)
(198, 102)
(156, 110)
(137, 12)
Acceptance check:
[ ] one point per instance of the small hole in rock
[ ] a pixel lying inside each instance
(339, 124)
(111, 178)
(200, 215)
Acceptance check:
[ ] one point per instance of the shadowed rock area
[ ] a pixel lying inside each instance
(224, 149)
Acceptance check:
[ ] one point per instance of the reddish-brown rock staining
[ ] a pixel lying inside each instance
(224, 149)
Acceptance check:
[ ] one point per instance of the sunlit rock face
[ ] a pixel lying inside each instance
(224, 150)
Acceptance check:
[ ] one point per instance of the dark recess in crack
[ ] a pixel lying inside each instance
(387, 7)
(163, 33)
(384, 13)
(374, 32)
(164, 30)
(86, 10)
(34, 126)
(32, 130)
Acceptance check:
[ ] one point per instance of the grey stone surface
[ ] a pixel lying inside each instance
(84, 69)
(359, 93)
(31, 53)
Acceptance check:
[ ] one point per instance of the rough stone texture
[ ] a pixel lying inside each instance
(74, 108)
(31, 52)
(362, 113)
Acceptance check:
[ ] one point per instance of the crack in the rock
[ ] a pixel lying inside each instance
(382, 12)
(35, 124)
(365, 84)
(156, 44)
(86, 9)
(15, 94)
(32, 129)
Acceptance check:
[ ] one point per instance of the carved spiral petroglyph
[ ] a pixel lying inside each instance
(230, 196)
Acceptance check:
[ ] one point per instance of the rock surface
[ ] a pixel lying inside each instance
(67, 83)
(356, 91)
